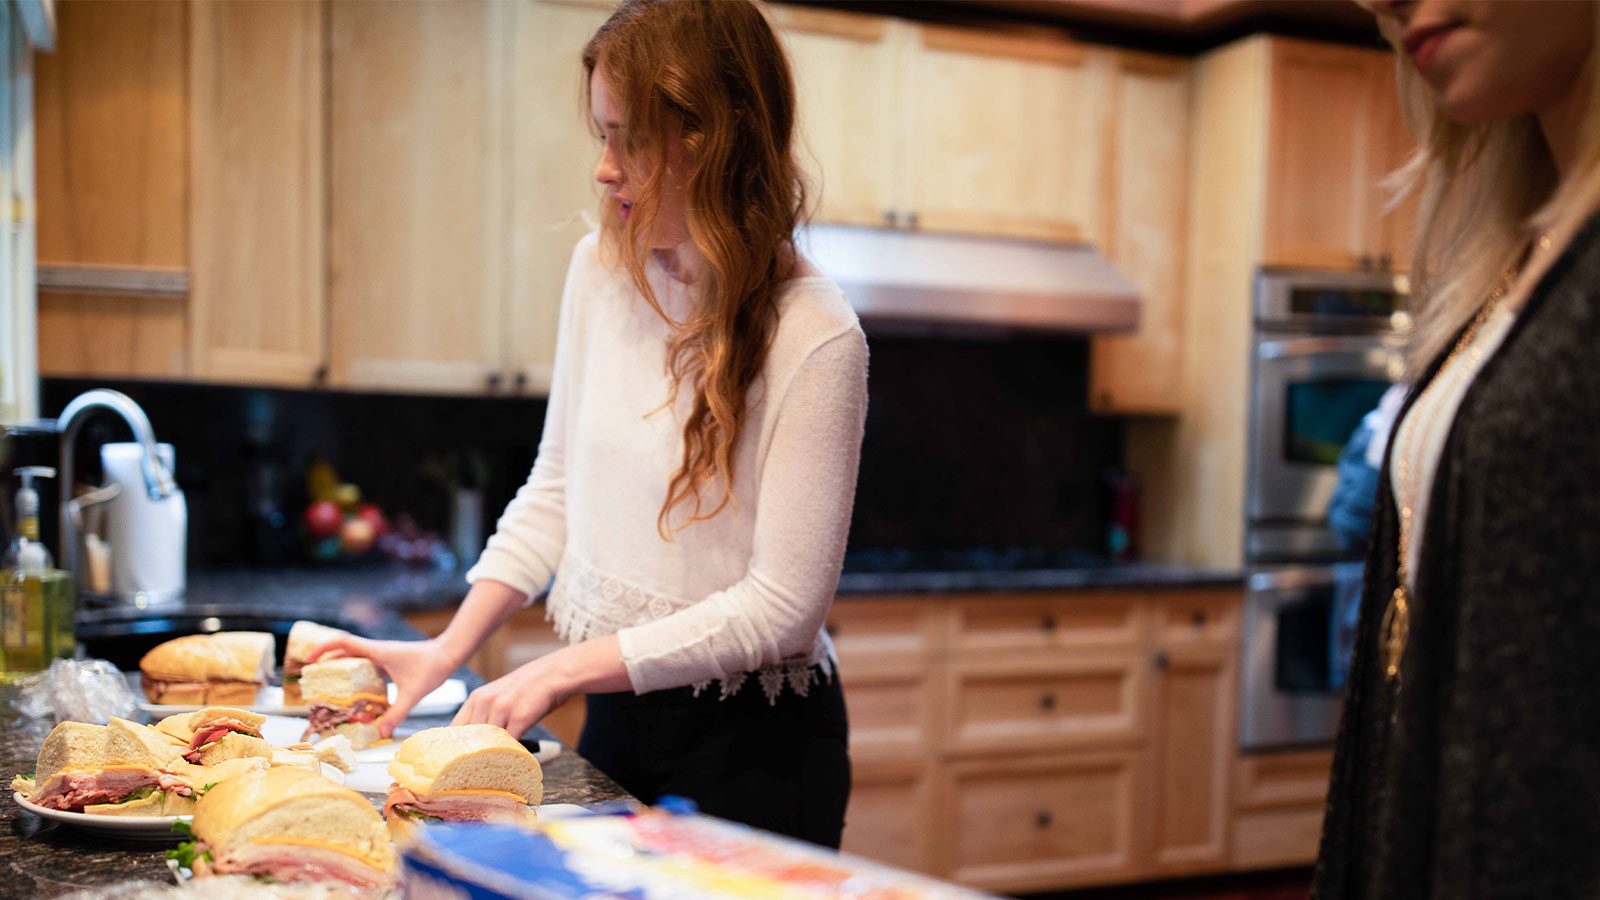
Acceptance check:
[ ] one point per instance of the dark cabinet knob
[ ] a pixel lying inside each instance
(1199, 618)
(521, 380)
(320, 376)
(1047, 702)
(1365, 260)
(1162, 660)
(911, 220)
(831, 629)
(889, 218)
(493, 380)
(1043, 819)
(1386, 262)
(1048, 623)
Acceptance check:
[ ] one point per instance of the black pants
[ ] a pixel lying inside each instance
(782, 767)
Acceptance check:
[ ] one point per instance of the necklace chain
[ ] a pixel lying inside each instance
(1395, 629)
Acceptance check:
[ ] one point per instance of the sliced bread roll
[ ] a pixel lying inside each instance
(291, 806)
(465, 758)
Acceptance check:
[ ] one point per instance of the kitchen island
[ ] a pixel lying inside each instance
(42, 859)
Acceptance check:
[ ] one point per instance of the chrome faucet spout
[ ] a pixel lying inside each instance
(157, 480)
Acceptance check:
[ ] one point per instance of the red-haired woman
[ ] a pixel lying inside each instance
(694, 482)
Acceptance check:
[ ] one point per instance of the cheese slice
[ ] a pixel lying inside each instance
(337, 848)
(381, 699)
(483, 791)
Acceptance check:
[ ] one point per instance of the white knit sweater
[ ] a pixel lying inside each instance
(745, 592)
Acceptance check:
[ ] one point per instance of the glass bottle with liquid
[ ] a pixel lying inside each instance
(37, 602)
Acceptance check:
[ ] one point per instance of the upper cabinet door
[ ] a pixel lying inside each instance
(1397, 225)
(555, 199)
(847, 70)
(1148, 183)
(1323, 175)
(1006, 135)
(112, 134)
(418, 201)
(257, 305)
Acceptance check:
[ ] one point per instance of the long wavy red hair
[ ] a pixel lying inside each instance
(713, 72)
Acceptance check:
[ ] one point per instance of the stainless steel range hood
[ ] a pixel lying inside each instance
(913, 278)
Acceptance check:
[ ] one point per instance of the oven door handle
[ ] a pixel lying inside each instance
(1299, 579)
(1353, 345)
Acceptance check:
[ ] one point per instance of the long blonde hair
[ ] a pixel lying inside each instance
(1486, 189)
(715, 69)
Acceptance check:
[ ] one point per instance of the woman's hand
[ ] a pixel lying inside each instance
(517, 701)
(416, 667)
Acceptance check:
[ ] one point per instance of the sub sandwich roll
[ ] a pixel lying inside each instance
(304, 637)
(226, 668)
(81, 766)
(462, 773)
(203, 733)
(292, 826)
(346, 696)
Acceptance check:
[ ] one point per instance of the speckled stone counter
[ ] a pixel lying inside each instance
(41, 858)
(1131, 576)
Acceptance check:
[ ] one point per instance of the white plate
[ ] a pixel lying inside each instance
(444, 699)
(371, 774)
(139, 828)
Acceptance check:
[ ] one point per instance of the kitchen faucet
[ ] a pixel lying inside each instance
(157, 480)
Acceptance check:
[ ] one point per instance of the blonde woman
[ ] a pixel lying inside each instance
(1468, 761)
(695, 477)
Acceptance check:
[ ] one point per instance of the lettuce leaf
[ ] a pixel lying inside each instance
(186, 852)
(140, 794)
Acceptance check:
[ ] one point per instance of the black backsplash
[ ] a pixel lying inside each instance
(970, 442)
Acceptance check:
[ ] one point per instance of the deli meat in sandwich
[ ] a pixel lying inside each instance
(217, 733)
(462, 773)
(118, 769)
(346, 695)
(290, 825)
(228, 667)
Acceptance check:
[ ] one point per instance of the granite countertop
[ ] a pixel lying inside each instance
(41, 858)
(1127, 576)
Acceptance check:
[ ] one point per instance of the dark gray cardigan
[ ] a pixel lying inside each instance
(1482, 777)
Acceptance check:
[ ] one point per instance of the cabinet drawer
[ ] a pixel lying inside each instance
(1045, 822)
(984, 627)
(1267, 838)
(1199, 617)
(885, 635)
(1282, 779)
(890, 815)
(890, 716)
(1086, 701)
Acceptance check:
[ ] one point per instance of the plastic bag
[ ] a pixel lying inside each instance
(77, 690)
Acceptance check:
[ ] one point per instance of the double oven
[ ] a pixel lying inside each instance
(1327, 345)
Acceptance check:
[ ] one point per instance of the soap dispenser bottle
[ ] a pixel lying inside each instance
(37, 603)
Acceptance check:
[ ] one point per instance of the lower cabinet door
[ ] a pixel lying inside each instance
(1043, 822)
(890, 814)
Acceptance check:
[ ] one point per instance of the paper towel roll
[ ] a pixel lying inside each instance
(148, 537)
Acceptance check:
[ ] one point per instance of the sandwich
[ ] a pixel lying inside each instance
(217, 733)
(102, 769)
(462, 773)
(304, 637)
(178, 787)
(346, 696)
(289, 825)
(226, 668)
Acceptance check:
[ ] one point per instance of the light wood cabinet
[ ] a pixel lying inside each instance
(1329, 146)
(111, 150)
(848, 71)
(257, 307)
(1278, 806)
(418, 211)
(1147, 183)
(1084, 698)
(1005, 135)
(1034, 823)
(554, 197)
(891, 816)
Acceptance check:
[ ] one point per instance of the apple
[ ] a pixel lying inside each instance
(356, 536)
(323, 519)
(372, 514)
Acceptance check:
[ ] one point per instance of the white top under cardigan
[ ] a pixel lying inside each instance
(744, 592)
(1421, 435)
